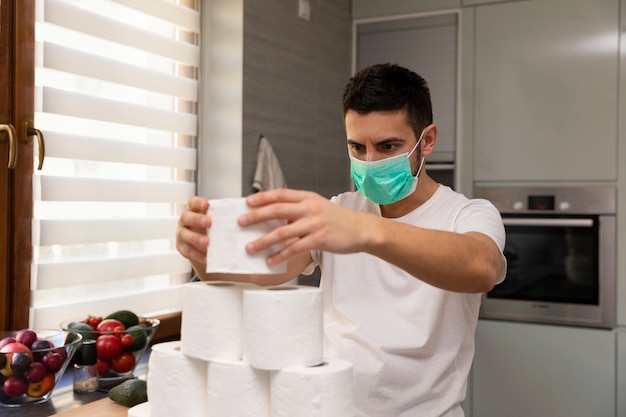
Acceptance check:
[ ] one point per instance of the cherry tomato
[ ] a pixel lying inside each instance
(110, 325)
(108, 347)
(93, 321)
(103, 366)
(127, 340)
(124, 363)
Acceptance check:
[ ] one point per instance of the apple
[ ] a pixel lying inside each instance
(52, 361)
(14, 386)
(26, 337)
(36, 372)
(41, 388)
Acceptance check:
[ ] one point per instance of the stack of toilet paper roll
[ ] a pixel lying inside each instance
(248, 351)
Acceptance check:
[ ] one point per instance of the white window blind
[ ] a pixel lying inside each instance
(116, 100)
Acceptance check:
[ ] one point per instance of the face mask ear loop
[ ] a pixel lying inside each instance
(416, 145)
(420, 168)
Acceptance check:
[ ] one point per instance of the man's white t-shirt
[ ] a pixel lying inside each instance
(411, 344)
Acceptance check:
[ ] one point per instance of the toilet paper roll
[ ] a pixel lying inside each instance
(322, 391)
(140, 410)
(282, 326)
(235, 389)
(176, 383)
(212, 323)
(228, 240)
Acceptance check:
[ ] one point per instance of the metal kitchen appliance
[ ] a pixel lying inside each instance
(561, 254)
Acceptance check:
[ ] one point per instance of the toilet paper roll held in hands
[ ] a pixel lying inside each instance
(282, 326)
(228, 240)
(323, 391)
(212, 319)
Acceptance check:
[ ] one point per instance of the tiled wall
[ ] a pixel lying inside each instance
(294, 74)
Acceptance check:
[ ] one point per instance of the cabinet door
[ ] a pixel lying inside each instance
(523, 370)
(621, 372)
(427, 45)
(546, 82)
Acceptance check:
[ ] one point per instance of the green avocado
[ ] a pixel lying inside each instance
(127, 317)
(130, 392)
(139, 335)
(82, 328)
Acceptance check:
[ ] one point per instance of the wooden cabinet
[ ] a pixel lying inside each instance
(523, 370)
(545, 91)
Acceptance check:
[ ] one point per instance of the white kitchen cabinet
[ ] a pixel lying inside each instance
(621, 373)
(545, 91)
(523, 370)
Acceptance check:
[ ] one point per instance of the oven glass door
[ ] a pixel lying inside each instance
(551, 259)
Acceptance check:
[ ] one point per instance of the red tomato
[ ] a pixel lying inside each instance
(103, 366)
(93, 321)
(124, 363)
(127, 340)
(108, 347)
(110, 325)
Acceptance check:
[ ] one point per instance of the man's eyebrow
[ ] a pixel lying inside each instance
(382, 142)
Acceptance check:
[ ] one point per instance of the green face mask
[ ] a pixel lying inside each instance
(388, 180)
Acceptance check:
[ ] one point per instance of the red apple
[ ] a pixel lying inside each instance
(14, 386)
(36, 372)
(52, 361)
(26, 337)
(41, 388)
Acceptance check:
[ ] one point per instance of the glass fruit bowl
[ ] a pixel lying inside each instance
(119, 349)
(32, 362)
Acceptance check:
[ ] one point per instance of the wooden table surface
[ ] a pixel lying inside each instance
(101, 408)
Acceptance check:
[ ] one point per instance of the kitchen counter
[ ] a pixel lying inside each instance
(64, 399)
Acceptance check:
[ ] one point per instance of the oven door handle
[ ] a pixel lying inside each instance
(510, 221)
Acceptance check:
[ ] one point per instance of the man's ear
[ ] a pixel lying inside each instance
(429, 139)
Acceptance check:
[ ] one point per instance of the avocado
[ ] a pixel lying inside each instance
(139, 335)
(130, 392)
(82, 328)
(127, 317)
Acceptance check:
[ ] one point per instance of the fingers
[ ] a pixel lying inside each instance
(282, 195)
(191, 234)
(198, 204)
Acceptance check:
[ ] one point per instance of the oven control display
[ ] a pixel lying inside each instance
(541, 202)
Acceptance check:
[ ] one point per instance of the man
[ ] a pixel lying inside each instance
(403, 259)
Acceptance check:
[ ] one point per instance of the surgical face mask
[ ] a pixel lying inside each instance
(388, 180)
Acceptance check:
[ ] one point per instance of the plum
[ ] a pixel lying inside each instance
(26, 337)
(20, 362)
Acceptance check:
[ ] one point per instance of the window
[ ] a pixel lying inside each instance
(116, 100)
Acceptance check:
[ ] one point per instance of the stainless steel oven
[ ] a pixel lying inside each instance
(561, 254)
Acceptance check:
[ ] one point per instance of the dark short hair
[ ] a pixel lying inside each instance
(389, 87)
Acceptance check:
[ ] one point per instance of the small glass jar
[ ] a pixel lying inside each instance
(85, 368)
